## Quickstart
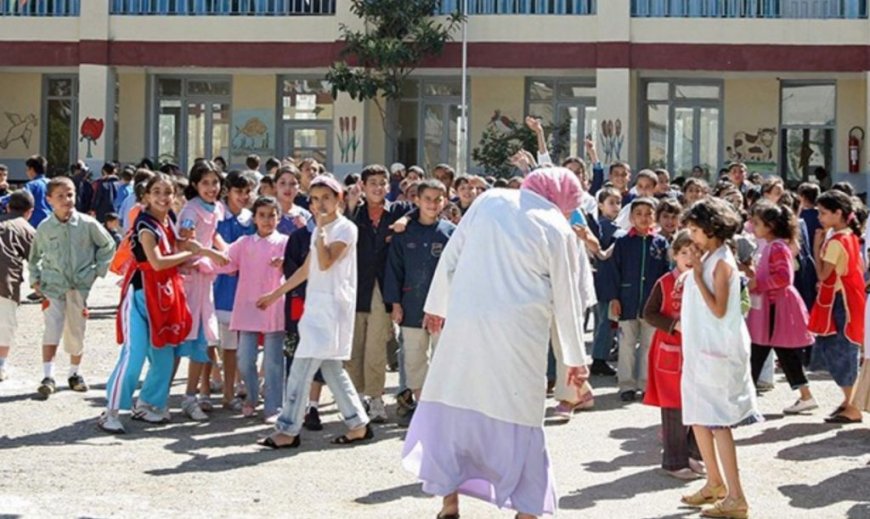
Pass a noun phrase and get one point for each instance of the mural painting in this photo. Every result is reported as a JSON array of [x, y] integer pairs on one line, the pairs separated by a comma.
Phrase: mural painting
[[253, 133], [756, 150], [20, 129], [348, 141], [611, 140], [91, 131]]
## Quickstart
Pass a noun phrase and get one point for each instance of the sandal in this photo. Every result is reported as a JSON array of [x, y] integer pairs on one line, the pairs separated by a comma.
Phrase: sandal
[[235, 405], [730, 508], [345, 440], [842, 419], [269, 442], [700, 498]]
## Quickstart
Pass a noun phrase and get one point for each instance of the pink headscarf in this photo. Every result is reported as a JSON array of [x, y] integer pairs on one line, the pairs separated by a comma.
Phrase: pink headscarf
[[558, 185]]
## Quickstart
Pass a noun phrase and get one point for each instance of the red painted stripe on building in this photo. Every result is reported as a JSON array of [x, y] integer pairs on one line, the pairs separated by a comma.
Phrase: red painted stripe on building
[[647, 56]]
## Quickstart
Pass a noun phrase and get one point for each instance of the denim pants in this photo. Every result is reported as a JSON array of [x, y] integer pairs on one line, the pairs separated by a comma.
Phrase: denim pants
[[603, 335], [273, 367], [136, 348], [299, 384]]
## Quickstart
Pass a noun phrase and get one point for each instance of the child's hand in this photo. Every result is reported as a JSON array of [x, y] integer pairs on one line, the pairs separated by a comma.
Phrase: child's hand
[[400, 225], [266, 301], [398, 314], [277, 263], [300, 221], [577, 376], [615, 309], [433, 323], [186, 234], [218, 257], [697, 262], [534, 124]]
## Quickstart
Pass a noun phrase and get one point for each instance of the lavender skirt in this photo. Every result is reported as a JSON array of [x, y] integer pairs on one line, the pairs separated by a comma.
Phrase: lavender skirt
[[458, 450]]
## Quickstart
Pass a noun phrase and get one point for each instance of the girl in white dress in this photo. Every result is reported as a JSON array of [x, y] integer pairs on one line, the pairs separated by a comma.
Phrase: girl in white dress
[[716, 384]]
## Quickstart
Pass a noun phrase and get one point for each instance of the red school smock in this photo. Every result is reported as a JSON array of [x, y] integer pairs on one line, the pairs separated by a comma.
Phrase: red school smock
[[665, 366], [849, 282]]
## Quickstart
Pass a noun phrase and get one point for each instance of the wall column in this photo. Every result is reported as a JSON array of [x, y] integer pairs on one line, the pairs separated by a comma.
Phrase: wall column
[[613, 82]]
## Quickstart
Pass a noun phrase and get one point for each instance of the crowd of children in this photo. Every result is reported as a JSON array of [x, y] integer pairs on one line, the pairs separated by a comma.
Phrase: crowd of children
[[275, 284]]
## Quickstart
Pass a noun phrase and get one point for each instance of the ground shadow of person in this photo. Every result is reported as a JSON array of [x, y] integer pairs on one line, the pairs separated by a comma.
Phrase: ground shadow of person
[[785, 433], [649, 481], [387, 495], [846, 486], [642, 445], [847, 443]]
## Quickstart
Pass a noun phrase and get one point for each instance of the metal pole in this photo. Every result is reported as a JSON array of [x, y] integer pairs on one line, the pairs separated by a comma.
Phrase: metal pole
[[462, 130]]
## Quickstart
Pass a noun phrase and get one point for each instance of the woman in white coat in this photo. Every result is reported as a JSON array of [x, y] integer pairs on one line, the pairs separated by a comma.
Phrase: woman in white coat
[[508, 276]]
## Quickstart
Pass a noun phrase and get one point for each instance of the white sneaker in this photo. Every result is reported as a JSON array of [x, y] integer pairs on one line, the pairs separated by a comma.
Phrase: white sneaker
[[697, 466], [3, 374], [191, 408], [110, 423], [377, 412], [801, 406], [205, 403], [148, 414]]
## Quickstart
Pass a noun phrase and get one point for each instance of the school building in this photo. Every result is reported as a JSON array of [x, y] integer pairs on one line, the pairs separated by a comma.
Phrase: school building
[[779, 84]]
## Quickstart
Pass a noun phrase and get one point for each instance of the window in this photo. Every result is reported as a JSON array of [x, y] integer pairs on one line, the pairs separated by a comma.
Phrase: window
[[567, 106], [427, 122], [307, 109], [682, 125], [192, 119], [808, 120], [60, 106]]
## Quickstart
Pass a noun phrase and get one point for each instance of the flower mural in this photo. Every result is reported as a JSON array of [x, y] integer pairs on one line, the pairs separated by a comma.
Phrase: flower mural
[[92, 130]]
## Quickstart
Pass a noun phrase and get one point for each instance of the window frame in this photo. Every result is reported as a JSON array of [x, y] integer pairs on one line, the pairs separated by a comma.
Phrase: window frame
[[283, 125], [673, 102], [557, 103], [782, 167], [74, 117]]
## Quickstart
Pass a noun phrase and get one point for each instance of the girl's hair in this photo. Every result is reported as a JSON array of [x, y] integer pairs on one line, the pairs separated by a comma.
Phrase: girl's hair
[[158, 178], [853, 211], [789, 200], [609, 192], [779, 218], [288, 169], [770, 183], [199, 171], [669, 206], [696, 182], [461, 179], [239, 180], [266, 201], [681, 240], [351, 179], [716, 217], [844, 187]]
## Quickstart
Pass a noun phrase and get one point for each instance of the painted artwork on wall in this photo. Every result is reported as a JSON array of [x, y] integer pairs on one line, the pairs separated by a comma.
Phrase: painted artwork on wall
[[253, 132], [91, 131], [20, 129], [756, 150], [348, 141], [611, 139]]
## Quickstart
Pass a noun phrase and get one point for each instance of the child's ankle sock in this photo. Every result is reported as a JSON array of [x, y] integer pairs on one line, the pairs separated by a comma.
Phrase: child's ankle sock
[[73, 370], [48, 369], [313, 404], [2, 362]]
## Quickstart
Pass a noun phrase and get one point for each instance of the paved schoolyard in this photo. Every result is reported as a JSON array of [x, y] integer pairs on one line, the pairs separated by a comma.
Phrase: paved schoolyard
[[55, 462]]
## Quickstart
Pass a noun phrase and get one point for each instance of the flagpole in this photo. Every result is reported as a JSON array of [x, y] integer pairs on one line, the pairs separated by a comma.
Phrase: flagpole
[[462, 130]]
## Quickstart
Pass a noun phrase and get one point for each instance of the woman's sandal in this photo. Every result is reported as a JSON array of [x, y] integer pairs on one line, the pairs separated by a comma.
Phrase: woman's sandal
[[730, 508], [842, 419], [699, 498], [345, 440], [268, 441]]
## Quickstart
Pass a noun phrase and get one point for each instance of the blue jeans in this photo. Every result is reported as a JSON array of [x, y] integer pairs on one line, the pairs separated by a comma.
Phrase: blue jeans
[[837, 354], [299, 384], [273, 366], [603, 336], [136, 348]]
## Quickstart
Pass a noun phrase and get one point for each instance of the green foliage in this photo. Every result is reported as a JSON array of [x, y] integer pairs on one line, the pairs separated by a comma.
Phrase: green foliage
[[497, 145], [398, 35]]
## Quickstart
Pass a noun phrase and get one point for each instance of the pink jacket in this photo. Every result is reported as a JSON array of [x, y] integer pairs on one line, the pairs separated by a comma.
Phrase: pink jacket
[[776, 298], [198, 280], [250, 257]]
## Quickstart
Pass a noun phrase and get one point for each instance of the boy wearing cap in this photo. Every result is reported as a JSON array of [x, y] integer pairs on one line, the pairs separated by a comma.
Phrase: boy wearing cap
[[640, 257], [397, 175]]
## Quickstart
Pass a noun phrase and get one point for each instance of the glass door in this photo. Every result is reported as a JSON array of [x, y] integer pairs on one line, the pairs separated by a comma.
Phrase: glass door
[[310, 141], [208, 129], [578, 122], [440, 123]]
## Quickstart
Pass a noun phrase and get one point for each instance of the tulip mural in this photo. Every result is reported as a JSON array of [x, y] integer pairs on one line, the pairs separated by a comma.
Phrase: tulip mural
[[347, 139], [92, 130]]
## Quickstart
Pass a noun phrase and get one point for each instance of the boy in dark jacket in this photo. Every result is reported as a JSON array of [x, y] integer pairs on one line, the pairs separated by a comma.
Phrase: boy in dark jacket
[[105, 191], [411, 265], [640, 257], [604, 228]]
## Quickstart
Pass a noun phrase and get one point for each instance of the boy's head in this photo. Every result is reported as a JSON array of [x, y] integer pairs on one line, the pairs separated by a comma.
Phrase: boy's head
[[4, 175], [668, 215], [609, 202], [267, 187], [808, 194], [266, 214], [21, 203], [681, 250], [642, 214], [127, 174], [253, 162], [375, 183], [737, 173], [620, 175], [113, 222], [309, 169], [61, 196], [397, 171], [646, 183], [664, 181], [415, 173], [444, 173], [220, 163], [578, 167], [36, 165], [109, 169], [272, 165], [239, 186], [431, 198]]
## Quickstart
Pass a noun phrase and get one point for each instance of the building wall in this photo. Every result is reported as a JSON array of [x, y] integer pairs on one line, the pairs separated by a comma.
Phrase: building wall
[[255, 97], [132, 108], [493, 97], [21, 119], [751, 107]]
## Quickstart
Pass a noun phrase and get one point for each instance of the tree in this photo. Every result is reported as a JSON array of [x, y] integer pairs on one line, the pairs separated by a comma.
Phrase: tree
[[377, 60], [497, 144]]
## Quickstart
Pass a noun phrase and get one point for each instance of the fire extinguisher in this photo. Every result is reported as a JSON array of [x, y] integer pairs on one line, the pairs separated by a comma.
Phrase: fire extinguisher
[[856, 138]]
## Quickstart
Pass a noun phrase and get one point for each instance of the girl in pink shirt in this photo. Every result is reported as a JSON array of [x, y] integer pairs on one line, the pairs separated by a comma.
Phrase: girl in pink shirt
[[258, 259]]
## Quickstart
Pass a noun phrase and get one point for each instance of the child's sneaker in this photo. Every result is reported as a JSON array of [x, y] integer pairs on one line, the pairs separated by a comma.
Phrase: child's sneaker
[[801, 406], [312, 420], [110, 423], [3, 373], [377, 412], [77, 383], [205, 403], [47, 388], [191, 408], [146, 413]]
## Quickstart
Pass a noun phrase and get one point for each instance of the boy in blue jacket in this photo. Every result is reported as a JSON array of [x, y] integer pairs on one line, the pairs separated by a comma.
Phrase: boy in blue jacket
[[640, 257], [604, 228], [411, 263]]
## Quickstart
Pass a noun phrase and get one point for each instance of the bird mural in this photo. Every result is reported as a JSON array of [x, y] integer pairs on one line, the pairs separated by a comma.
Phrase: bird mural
[[21, 130]]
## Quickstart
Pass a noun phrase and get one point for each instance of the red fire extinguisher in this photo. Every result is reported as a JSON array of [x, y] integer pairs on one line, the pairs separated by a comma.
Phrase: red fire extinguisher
[[856, 137]]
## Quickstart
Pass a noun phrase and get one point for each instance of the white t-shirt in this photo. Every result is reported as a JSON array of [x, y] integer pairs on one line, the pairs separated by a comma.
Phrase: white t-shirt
[[326, 327]]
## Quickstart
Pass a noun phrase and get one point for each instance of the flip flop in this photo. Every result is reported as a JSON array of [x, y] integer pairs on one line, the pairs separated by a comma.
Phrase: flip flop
[[842, 419], [344, 440], [268, 441]]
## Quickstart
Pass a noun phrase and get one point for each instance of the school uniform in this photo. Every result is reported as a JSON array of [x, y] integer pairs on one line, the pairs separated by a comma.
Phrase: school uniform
[[232, 228], [411, 264], [604, 229], [637, 262]]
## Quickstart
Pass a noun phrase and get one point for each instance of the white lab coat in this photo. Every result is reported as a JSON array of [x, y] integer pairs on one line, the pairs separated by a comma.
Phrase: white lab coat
[[510, 270], [717, 387]]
